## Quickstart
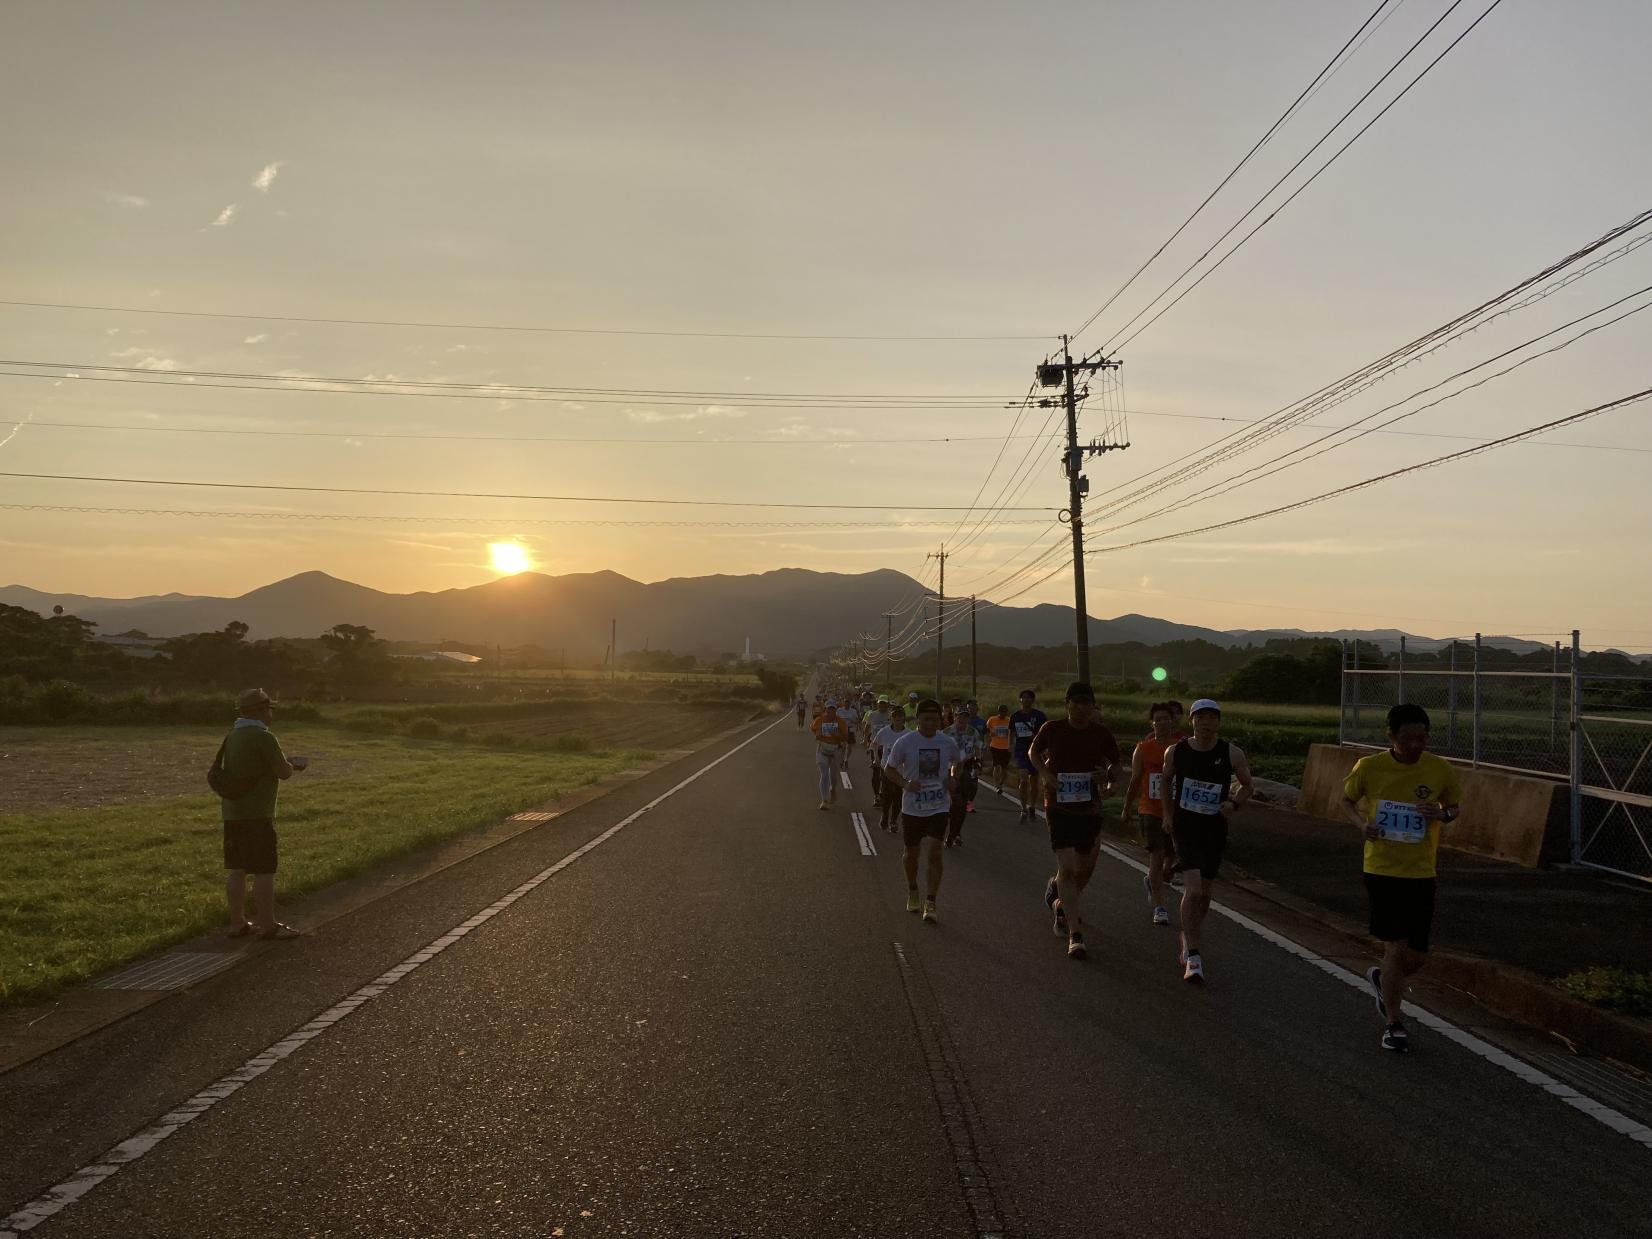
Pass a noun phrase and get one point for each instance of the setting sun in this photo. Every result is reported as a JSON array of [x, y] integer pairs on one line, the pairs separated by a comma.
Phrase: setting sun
[[509, 558]]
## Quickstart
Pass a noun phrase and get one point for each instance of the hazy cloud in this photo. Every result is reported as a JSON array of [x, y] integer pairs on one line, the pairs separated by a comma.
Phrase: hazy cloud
[[224, 216], [125, 200], [687, 415], [145, 359], [257, 339], [266, 178]]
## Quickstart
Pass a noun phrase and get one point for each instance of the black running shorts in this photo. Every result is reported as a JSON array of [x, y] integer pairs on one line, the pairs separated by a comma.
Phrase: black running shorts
[[1078, 831], [1201, 842], [1000, 759], [249, 845], [1157, 840], [1402, 909], [914, 830]]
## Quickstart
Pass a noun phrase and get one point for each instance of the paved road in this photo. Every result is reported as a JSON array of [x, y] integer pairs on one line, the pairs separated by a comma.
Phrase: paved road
[[721, 1021]]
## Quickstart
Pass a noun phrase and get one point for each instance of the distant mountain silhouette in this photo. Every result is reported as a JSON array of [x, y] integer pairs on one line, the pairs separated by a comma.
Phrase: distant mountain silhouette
[[786, 613]]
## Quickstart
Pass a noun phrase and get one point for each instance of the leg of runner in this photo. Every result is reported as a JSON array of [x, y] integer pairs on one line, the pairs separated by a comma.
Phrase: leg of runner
[[1069, 904], [1195, 904], [825, 763], [837, 764]]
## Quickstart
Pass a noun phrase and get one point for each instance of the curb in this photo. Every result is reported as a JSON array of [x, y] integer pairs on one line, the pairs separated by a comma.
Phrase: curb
[[1506, 989], [29, 1033]]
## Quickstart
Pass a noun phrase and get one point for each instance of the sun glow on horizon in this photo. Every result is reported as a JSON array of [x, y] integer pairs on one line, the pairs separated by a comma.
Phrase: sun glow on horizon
[[509, 558]]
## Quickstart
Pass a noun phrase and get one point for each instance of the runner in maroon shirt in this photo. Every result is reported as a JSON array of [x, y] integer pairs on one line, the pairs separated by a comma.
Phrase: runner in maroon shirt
[[1079, 758]]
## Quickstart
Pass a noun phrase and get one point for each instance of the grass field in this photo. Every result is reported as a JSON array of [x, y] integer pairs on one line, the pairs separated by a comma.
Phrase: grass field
[[117, 851]]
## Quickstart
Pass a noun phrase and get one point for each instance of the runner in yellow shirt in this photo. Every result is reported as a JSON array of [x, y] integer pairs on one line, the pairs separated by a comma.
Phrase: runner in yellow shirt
[[1400, 799]]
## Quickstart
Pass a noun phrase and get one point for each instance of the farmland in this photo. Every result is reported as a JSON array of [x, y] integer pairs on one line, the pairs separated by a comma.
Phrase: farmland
[[110, 843]]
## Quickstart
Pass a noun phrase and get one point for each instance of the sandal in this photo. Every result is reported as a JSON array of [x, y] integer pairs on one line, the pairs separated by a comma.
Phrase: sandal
[[240, 931], [278, 933]]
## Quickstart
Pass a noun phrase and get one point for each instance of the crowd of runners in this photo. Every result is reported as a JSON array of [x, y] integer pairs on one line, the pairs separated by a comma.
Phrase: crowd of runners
[[1183, 780]]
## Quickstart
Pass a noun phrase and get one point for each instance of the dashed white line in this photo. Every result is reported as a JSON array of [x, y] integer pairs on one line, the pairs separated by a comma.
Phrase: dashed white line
[[137, 1145], [863, 836], [844, 775], [1618, 1122]]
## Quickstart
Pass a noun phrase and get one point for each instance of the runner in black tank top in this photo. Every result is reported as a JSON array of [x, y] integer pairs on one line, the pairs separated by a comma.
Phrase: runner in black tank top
[[1198, 774]]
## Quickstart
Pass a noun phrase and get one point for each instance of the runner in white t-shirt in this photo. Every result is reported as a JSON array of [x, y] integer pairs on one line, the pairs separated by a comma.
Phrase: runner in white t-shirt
[[889, 805], [921, 763]]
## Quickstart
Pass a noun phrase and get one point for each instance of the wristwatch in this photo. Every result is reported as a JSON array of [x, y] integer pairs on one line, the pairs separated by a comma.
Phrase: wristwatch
[[1448, 813]]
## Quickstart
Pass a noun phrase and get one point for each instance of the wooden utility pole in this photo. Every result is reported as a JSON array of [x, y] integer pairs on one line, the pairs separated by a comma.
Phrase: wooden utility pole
[[613, 650], [940, 618], [1052, 374], [888, 633]]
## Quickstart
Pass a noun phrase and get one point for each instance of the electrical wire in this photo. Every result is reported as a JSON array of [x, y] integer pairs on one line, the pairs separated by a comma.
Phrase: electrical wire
[[376, 518], [460, 494], [1570, 419], [582, 331], [1272, 215], [1330, 67]]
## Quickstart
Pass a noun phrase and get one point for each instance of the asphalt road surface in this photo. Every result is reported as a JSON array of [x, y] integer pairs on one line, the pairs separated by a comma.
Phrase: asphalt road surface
[[721, 1021]]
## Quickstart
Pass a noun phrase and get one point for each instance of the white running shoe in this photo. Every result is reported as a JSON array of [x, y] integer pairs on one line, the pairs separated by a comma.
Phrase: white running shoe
[[1161, 916], [1193, 972]]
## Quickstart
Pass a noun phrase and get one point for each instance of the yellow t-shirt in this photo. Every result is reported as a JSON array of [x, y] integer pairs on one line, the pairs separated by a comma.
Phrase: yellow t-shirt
[[1380, 778]]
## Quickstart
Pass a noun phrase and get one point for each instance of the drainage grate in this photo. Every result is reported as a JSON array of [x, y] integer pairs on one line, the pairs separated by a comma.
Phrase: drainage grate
[[1605, 1082], [537, 816], [173, 970]]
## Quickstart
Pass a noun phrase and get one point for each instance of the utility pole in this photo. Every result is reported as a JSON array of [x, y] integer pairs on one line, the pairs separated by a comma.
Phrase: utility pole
[[940, 618], [973, 689], [888, 633], [1051, 374], [613, 649]]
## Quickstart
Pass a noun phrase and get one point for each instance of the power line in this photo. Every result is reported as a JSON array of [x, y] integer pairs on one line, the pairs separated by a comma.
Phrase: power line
[[1272, 215], [582, 331], [1389, 363], [1234, 171], [461, 494], [376, 518], [507, 391], [1620, 402], [369, 434], [1282, 462]]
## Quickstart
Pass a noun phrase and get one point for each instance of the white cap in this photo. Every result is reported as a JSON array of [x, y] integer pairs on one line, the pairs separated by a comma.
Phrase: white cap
[[1204, 703]]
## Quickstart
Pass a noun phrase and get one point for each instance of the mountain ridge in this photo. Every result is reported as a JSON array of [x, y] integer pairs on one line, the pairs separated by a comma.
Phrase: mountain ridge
[[785, 612]]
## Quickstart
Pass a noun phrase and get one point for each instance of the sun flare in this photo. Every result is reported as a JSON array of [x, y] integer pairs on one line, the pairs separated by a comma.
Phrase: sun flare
[[509, 558]]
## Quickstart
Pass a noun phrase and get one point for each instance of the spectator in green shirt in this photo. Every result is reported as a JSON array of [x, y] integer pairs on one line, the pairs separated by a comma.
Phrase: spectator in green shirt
[[253, 755]]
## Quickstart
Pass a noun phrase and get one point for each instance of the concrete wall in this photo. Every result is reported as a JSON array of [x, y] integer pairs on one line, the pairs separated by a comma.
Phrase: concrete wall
[[1506, 816]]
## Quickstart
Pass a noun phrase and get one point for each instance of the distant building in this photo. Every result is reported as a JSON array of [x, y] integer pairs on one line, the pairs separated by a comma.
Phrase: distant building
[[443, 656]]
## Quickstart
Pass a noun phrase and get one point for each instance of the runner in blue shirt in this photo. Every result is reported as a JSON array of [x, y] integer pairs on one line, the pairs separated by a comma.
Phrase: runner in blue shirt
[[1024, 725]]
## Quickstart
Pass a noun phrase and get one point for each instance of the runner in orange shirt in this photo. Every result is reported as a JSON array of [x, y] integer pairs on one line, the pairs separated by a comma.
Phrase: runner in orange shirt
[[998, 744], [1143, 796], [831, 748]]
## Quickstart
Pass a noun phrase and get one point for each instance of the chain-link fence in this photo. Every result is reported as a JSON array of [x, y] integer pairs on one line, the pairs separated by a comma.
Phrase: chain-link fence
[[1532, 711]]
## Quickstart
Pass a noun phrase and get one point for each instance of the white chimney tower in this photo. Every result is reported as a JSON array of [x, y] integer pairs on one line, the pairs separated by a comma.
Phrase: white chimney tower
[[748, 649]]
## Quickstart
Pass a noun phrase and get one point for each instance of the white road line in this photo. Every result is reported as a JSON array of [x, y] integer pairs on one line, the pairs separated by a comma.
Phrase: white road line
[[141, 1142], [1618, 1122], [862, 835], [844, 775]]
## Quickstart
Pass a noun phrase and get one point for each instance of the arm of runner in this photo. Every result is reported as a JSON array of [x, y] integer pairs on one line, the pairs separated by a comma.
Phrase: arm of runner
[[1137, 770], [1167, 780], [1353, 794], [1241, 772], [1445, 809]]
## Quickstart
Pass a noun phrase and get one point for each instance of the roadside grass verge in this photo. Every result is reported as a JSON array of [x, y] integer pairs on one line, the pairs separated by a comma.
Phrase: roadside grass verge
[[1616, 989], [84, 890]]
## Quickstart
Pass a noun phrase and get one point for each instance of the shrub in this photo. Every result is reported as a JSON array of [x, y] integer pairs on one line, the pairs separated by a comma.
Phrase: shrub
[[426, 728], [499, 739], [571, 744], [1617, 989]]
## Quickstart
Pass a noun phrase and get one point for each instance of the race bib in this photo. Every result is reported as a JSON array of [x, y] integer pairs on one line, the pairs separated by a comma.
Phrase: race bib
[[1001, 731], [1073, 788], [1199, 797], [1024, 730], [1399, 822], [931, 796], [828, 729], [1155, 787]]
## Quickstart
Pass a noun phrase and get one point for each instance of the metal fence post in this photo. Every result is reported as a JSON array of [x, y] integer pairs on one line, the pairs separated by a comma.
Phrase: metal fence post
[[1355, 687], [1451, 700], [1554, 700], [1399, 688], [1475, 758], [1342, 692], [1576, 782]]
